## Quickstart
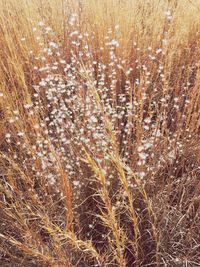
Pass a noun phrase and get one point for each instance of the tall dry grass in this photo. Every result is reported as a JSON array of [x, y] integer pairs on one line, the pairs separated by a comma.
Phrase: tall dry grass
[[100, 123]]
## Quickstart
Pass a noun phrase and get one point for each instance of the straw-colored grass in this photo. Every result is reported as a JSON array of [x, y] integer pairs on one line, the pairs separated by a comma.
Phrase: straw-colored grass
[[99, 133]]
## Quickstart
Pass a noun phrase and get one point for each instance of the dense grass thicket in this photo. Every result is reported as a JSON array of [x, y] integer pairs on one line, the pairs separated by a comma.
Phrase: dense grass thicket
[[99, 133]]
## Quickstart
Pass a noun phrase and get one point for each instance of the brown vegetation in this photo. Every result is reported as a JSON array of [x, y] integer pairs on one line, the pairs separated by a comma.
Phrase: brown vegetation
[[99, 133]]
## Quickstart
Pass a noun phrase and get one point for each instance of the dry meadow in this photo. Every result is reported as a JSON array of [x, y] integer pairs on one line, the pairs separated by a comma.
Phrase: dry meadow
[[99, 133]]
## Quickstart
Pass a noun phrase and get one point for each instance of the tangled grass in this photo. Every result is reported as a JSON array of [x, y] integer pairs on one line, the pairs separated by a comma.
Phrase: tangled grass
[[100, 124]]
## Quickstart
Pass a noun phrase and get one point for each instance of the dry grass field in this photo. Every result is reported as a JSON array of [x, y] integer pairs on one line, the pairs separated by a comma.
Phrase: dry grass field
[[99, 133]]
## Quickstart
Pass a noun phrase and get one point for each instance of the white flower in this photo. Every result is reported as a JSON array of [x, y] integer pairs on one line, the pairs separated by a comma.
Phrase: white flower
[[27, 106], [53, 44], [51, 179], [8, 135], [143, 155], [114, 42], [171, 155], [94, 119], [140, 148], [158, 51], [62, 61], [76, 183], [147, 120], [148, 145], [157, 133], [146, 127], [20, 133], [41, 24], [12, 120], [42, 83], [141, 174], [168, 13], [73, 33]]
